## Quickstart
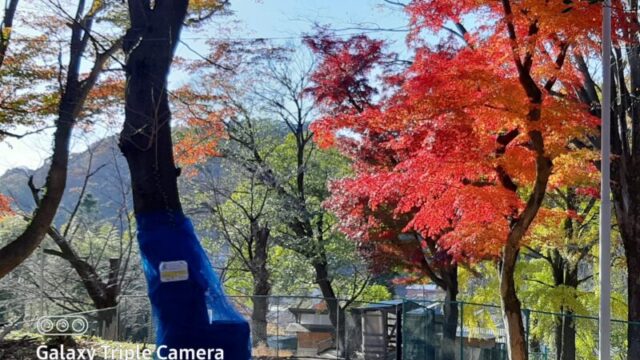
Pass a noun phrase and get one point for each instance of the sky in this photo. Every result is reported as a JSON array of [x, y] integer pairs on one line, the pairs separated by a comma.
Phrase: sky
[[283, 20]]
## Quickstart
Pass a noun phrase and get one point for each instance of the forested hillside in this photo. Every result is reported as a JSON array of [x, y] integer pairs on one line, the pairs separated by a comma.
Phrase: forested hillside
[[108, 181]]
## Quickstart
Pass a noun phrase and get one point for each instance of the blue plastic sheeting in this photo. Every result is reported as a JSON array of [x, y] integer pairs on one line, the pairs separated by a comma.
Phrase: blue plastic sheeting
[[189, 307]]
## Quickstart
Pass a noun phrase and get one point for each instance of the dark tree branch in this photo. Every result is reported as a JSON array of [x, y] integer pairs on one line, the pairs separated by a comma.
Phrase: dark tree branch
[[6, 28]]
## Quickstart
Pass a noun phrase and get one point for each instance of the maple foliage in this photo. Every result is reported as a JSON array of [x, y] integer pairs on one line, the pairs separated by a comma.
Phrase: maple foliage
[[340, 80], [223, 81], [5, 206], [203, 127], [433, 150], [21, 104], [33, 76]]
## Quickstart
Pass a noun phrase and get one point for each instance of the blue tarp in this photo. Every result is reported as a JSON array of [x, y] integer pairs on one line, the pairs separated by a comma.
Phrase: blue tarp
[[189, 306]]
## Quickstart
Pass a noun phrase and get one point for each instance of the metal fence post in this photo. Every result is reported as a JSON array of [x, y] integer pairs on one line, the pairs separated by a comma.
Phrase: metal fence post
[[461, 330], [545, 353], [150, 325], [402, 330], [338, 338], [118, 322], [278, 327], [527, 315], [426, 333]]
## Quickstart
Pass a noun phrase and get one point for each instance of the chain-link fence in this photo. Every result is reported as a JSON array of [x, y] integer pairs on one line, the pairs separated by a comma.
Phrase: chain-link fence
[[294, 327], [442, 331], [286, 327]]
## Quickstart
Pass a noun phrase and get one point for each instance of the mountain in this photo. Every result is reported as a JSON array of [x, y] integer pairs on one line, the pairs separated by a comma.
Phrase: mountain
[[109, 185]]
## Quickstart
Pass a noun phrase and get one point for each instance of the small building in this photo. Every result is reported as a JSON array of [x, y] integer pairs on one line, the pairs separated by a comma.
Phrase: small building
[[379, 332], [313, 329]]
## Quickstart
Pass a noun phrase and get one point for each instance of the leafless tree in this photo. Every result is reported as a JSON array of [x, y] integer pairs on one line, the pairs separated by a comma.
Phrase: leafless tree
[[241, 219]]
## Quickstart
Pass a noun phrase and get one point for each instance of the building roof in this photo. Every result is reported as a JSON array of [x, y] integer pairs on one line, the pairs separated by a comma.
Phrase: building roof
[[387, 305]]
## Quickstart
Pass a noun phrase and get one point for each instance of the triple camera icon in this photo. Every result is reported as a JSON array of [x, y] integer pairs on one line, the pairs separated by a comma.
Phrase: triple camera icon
[[62, 325]]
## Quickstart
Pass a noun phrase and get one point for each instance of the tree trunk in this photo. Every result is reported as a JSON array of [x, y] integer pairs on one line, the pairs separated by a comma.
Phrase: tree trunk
[[627, 208], [324, 283], [261, 285], [259, 315], [511, 307], [108, 319], [14, 253], [109, 314], [564, 332], [625, 163], [625, 168], [185, 311], [633, 298], [6, 27], [96, 289], [104, 295], [624, 185], [336, 313], [145, 140], [451, 310]]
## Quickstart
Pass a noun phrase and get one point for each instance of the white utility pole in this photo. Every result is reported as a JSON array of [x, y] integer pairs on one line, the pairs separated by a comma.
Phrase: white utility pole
[[605, 190]]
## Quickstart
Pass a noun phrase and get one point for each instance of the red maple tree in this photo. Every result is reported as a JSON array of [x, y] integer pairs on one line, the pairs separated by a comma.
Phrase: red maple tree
[[463, 151]]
